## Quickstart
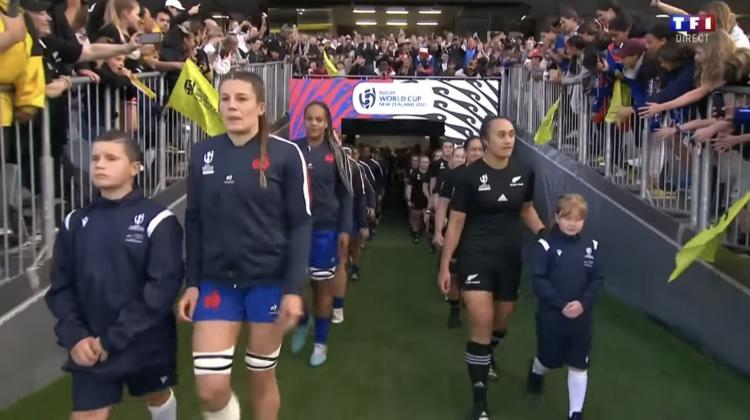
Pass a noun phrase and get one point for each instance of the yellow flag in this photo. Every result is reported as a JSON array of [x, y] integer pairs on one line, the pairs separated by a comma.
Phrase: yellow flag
[[620, 98], [544, 133], [143, 88], [705, 244], [195, 98], [330, 67]]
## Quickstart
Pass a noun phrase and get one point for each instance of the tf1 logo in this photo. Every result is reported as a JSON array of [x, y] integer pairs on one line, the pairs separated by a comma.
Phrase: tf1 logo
[[687, 23]]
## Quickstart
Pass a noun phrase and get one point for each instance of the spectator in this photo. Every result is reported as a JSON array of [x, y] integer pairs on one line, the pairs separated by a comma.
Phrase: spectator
[[424, 63], [163, 20]]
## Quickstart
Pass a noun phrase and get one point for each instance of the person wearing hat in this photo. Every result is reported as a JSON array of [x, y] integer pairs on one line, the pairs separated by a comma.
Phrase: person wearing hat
[[384, 68], [632, 52], [424, 63]]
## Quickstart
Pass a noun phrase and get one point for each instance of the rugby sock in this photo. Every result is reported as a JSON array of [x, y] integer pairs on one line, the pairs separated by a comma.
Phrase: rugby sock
[[355, 269], [497, 336], [478, 363], [230, 412], [577, 382], [338, 303], [322, 325], [538, 367], [166, 411], [455, 307]]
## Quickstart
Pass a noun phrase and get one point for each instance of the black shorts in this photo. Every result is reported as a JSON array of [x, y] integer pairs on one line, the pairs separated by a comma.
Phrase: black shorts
[[91, 391], [562, 341], [503, 280]]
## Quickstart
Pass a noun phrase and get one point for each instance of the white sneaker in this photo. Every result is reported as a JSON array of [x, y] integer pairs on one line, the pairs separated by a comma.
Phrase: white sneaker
[[319, 355], [338, 315]]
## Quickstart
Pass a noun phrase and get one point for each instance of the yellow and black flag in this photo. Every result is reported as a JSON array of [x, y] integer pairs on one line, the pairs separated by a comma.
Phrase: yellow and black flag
[[195, 98]]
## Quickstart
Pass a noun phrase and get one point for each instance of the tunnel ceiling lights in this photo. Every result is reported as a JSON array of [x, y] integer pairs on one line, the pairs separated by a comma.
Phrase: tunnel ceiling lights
[[364, 11], [427, 23], [396, 23], [431, 12], [366, 23], [397, 12]]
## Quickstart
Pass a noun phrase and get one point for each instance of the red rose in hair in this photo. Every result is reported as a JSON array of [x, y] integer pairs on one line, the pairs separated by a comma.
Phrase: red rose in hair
[[257, 165]]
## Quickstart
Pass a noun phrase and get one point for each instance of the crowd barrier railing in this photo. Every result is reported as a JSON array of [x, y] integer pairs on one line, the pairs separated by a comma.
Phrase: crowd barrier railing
[[691, 180], [45, 171]]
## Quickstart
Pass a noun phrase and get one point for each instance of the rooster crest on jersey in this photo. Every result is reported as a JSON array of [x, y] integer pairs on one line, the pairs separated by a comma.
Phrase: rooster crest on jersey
[[208, 169], [485, 186]]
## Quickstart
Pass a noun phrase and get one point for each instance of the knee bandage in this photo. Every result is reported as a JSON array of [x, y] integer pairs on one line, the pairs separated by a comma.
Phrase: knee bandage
[[213, 363], [260, 363]]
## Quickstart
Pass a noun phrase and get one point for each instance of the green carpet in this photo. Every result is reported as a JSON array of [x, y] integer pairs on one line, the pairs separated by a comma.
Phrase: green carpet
[[393, 358]]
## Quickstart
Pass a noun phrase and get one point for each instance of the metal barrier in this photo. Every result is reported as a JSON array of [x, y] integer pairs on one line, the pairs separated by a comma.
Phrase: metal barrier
[[38, 192], [687, 179]]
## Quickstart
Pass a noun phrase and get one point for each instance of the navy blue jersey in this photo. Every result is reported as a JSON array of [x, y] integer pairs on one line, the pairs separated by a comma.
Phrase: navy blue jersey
[[359, 206], [369, 179], [566, 268], [331, 202], [117, 269], [238, 232], [378, 175]]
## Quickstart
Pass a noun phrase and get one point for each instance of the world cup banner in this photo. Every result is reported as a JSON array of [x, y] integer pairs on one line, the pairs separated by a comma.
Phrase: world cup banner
[[461, 105]]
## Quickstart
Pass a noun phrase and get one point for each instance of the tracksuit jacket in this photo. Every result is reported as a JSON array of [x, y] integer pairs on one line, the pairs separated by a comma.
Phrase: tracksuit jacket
[[239, 233], [117, 270]]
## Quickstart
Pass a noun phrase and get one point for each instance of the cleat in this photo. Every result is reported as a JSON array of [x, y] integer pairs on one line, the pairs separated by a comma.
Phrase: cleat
[[479, 413], [576, 416], [338, 315], [318, 356], [492, 373], [299, 338], [534, 382]]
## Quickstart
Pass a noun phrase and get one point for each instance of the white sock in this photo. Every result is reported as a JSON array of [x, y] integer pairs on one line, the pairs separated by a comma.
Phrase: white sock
[[538, 367], [577, 382], [166, 411], [230, 412]]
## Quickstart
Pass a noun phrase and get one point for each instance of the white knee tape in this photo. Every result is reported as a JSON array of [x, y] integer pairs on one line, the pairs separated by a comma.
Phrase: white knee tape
[[260, 363], [213, 363]]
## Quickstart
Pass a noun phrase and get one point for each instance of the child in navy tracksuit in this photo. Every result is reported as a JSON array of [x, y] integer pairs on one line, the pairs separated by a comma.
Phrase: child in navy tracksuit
[[567, 282], [117, 270]]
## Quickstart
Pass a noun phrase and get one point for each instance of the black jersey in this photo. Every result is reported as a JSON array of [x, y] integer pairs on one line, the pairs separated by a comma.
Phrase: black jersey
[[418, 199], [437, 168], [446, 181], [492, 200]]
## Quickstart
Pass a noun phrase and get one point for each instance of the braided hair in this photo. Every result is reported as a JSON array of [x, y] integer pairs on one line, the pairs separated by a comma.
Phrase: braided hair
[[342, 162], [260, 96]]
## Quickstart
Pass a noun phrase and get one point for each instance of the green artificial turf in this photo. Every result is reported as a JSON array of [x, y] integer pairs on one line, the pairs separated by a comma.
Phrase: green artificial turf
[[393, 358]]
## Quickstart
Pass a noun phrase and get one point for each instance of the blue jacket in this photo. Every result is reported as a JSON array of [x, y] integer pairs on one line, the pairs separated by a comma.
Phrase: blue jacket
[[369, 178], [239, 233], [679, 82], [566, 268], [359, 207], [331, 202], [117, 269]]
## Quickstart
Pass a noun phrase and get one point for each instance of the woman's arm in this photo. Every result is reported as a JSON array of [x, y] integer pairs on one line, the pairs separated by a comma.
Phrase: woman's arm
[[668, 9], [531, 218], [688, 98], [452, 237]]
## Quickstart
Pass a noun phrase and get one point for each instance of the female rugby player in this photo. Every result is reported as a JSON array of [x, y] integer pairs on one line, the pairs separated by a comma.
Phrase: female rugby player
[[248, 226], [492, 200]]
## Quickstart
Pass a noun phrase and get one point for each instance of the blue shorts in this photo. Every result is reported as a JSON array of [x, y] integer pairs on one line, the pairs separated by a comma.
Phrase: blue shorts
[[562, 341], [225, 302], [92, 392], [324, 254]]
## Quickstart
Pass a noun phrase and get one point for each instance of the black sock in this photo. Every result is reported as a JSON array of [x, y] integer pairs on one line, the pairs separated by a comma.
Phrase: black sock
[[478, 363], [497, 336], [455, 306]]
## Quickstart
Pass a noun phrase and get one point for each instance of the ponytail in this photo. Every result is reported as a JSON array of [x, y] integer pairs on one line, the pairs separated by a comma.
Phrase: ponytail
[[263, 131], [342, 162]]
